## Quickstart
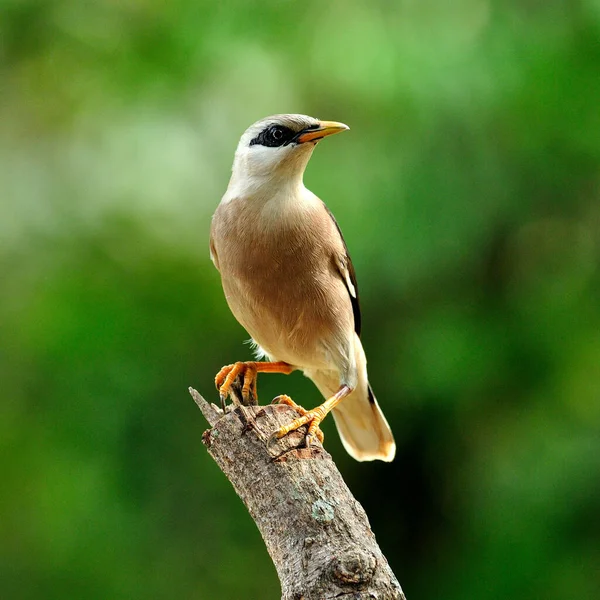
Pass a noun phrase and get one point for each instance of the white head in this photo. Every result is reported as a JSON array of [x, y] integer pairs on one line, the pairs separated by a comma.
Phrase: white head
[[276, 150]]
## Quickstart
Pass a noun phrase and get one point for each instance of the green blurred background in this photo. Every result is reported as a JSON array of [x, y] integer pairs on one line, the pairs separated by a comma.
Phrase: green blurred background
[[468, 191]]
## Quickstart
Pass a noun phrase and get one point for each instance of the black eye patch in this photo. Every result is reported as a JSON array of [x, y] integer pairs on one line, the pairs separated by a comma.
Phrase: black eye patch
[[274, 136]]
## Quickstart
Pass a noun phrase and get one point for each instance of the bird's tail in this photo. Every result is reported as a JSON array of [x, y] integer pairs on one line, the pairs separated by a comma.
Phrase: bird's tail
[[363, 429]]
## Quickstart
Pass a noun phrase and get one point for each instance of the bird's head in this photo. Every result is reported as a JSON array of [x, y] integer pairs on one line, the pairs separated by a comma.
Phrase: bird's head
[[279, 147]]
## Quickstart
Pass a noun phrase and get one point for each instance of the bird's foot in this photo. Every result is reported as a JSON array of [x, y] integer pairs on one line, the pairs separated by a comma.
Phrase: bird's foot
[[312, 418], [227, 376], [249, 371]]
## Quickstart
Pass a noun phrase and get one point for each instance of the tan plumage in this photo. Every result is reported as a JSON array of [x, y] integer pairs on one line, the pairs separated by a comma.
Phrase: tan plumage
[[289, 280]]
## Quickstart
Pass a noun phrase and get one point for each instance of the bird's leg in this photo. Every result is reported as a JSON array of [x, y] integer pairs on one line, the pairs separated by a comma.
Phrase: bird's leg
[[314, 416], [283, 399], [228, 374]]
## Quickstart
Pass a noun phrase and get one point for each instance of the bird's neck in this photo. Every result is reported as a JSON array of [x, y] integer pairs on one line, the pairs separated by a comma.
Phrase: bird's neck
[[270, 205], [265, 177], [261, 188]]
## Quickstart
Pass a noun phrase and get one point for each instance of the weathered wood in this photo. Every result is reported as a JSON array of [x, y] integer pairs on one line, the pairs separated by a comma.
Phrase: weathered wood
[[317, 534]]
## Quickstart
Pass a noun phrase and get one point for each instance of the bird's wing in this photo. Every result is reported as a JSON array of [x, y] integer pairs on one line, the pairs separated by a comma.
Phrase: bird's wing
[[213, 252], [345, 267]]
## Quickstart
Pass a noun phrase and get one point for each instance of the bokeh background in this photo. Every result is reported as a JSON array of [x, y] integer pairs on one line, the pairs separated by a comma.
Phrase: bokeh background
[[468, 190]]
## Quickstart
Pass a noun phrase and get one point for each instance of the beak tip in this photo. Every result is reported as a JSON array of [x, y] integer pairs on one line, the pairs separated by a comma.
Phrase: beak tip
[[324, 129], [334, 125]]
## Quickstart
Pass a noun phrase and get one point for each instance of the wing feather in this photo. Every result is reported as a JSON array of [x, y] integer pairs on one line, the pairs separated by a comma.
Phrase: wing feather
[[346, 270], [213, 253]]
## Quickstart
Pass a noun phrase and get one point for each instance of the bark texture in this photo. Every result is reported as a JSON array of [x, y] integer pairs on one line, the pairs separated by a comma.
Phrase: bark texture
[[317, 534]]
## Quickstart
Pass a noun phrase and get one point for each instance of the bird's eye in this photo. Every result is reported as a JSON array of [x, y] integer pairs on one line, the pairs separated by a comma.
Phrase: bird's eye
[[277, 133], [273, 136]]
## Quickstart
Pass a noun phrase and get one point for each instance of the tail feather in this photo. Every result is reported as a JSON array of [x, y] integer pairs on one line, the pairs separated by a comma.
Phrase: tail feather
[[363, 428]]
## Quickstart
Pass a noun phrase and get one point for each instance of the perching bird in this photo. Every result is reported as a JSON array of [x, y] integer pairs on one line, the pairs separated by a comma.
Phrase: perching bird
[[289, 281]]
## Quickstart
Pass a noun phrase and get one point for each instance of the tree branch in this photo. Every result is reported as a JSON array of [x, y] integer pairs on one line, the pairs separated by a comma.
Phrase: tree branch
[[317, 534]]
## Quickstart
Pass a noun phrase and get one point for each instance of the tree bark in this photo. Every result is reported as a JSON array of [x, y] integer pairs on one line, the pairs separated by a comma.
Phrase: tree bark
[[317, 534]]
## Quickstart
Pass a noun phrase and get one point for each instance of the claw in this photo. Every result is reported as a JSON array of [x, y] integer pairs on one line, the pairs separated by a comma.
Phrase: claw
[[312, 418], [272, 438], [318, 433], [284, 399], [227, 376]]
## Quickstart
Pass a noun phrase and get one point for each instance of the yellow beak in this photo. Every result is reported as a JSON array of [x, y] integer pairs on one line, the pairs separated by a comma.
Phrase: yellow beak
[[324, 129]]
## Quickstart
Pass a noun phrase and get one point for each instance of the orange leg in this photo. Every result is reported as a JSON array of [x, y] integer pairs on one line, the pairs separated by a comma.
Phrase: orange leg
[[250, 370], [312, 417], [283, 399]]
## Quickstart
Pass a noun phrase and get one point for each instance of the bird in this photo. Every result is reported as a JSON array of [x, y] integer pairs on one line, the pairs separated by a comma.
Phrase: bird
[[289, 281]]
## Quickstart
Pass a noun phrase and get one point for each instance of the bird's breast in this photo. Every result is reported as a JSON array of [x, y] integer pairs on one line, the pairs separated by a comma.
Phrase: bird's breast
[[279, 279]]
